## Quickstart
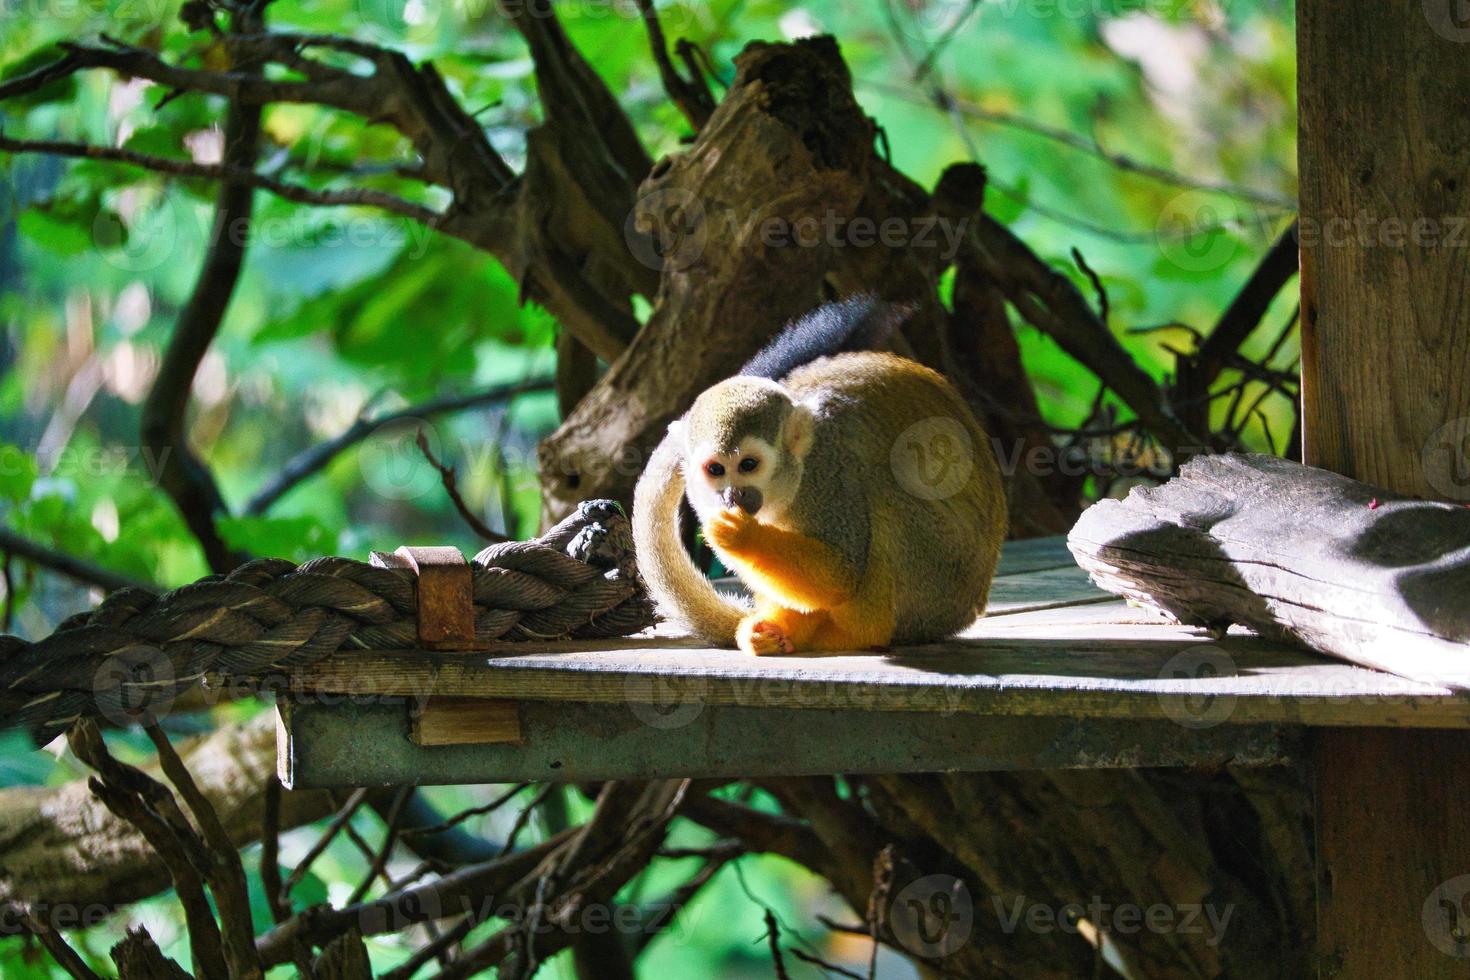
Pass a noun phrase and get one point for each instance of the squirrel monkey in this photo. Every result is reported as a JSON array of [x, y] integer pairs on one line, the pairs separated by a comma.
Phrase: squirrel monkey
[[853, 492]]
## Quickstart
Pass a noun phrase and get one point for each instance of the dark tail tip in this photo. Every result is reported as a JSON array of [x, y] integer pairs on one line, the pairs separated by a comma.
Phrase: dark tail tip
[[859, 322]]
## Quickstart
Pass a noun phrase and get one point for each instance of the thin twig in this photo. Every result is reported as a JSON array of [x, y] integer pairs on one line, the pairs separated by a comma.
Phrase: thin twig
[[691, 96], [524, 817], [226, 874], [136, 798], [315, 459], [669, 908], [450, 478], [463, 815], [270, 851], [357, 197], [1084, 144], [339, 820], [822, 964], [773, 940], [430, 951], [61, 951], [390, 837], [1103, 305], [74, 568]]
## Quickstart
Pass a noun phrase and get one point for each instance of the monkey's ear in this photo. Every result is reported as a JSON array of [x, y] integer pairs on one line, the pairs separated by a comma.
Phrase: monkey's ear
[[798, 430], [676, 432]]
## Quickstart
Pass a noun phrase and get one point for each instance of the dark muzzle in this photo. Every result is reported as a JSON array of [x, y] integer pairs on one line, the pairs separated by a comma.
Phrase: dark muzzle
[[747, 499]]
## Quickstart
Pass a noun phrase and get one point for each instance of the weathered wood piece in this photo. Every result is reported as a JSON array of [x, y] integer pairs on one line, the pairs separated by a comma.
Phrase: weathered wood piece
[[351, 743], [1297, 553], [464, 721]]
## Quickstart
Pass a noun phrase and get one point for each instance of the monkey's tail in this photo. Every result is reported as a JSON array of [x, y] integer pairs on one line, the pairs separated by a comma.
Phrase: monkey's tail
[[859, 322], [682, 593]]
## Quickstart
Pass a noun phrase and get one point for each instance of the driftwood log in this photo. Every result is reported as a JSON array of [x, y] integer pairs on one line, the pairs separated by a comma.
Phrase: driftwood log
[[1294, 552]]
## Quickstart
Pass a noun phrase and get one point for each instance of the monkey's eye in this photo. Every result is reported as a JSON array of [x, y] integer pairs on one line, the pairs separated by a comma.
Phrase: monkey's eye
[[748, 464], [714, 469]]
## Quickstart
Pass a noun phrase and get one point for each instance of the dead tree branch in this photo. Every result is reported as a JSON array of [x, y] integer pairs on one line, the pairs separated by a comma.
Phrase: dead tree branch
[[309, 462], [1198, 371], [68, 565], [243, 176], [449, 477], [62, 847], [181, 473]]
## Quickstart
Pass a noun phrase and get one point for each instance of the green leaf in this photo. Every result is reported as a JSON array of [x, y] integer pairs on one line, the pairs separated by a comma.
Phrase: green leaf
[[1006, 208], [297, 538], [55, 234], [17, 472]]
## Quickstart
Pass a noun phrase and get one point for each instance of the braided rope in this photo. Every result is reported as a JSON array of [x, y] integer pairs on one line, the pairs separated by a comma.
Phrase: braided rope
[[138, 649]]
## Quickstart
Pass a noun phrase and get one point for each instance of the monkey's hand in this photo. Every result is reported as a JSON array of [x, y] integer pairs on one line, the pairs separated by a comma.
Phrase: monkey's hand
[[796, 570], [732, 529]]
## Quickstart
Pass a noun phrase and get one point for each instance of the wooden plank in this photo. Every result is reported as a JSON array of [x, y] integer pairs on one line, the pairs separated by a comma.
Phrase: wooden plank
[[1095, 661], [1046, 588], [1345, 568], [361, 743], [464, 721], [1034, 555], [1386, 399]]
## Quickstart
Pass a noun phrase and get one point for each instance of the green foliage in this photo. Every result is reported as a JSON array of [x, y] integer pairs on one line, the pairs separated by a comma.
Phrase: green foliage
[[346, 312]]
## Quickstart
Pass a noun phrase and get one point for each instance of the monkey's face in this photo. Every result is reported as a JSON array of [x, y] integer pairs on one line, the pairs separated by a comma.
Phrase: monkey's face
[[745, 441], [744, 476]]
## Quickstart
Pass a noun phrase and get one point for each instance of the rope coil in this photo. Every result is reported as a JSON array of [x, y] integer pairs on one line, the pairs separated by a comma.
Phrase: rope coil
[[139, 649]]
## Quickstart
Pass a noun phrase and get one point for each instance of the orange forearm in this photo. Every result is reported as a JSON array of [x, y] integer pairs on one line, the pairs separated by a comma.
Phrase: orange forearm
[[801, 571]]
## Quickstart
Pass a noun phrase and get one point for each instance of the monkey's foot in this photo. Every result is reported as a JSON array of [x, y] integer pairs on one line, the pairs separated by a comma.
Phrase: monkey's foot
[[763, 638]]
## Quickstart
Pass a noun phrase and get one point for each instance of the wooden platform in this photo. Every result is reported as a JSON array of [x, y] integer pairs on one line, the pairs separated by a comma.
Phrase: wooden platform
[[1057, 675]]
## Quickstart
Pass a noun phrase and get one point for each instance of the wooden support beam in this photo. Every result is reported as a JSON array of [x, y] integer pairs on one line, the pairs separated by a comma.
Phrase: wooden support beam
[[359, 742], [1385, 188]]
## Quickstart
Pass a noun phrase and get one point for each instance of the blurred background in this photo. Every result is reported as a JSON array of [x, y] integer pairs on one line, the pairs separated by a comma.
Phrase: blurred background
[[1157, 138]]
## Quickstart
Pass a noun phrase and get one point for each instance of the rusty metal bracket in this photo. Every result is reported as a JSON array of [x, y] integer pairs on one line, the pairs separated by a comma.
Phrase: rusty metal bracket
[[446, 595]]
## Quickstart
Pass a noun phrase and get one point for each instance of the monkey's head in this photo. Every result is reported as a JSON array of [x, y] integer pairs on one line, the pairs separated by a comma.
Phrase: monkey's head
[[745, 442]]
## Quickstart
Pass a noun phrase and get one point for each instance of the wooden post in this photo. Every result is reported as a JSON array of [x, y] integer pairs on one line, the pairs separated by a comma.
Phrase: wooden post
[[1384, 91]]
